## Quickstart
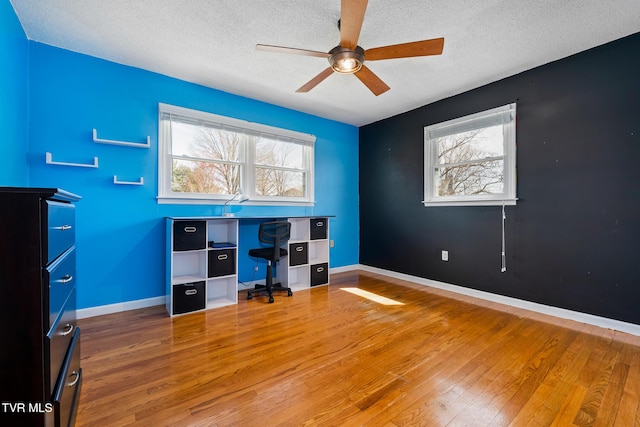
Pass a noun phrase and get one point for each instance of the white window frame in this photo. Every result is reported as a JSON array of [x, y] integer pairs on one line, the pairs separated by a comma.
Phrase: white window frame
[[247, 167], [505, 115]]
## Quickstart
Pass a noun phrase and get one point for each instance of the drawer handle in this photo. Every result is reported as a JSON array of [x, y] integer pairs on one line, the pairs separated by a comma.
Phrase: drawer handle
[[190, 229], [320, 269], [62, 227], [191, 292], [319, 224], [299, 249], [65, 279], [222, 257], [67, 329], [75, 381]]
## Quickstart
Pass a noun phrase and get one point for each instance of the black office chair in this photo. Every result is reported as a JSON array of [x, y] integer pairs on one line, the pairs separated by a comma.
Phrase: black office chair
[[275, 234]]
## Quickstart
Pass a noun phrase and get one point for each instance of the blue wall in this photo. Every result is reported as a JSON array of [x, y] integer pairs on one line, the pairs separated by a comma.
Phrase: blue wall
[[14, 68], [120, 239]]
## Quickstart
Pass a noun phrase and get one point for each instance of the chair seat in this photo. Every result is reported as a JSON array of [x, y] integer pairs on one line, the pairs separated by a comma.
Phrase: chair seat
[[266, 253]]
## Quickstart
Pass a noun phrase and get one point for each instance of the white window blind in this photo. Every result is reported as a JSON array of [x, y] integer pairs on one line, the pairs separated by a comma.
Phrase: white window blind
[[495, 117]]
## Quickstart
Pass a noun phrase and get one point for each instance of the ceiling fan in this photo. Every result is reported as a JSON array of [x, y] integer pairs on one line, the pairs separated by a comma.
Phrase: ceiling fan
[[348, 57]]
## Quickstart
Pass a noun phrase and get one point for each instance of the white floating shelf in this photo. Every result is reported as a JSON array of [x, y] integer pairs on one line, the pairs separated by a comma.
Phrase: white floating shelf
[[125, 143], [49, 160], [116, 181]]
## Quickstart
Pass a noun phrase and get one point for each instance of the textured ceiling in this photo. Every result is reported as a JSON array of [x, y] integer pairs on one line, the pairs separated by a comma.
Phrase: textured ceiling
[[212, 43]]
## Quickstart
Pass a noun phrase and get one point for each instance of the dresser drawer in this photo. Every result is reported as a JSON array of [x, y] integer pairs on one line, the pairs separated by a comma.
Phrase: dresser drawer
[[320, 274], [61, 278], [298, 253], [188, 297], [318, 228], [59, 337], [61, 228], [65, 397], [189, 235], [222, 262]]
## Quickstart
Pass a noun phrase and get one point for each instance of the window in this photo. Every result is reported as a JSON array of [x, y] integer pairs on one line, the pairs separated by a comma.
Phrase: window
[[204, 157], [471, 160]]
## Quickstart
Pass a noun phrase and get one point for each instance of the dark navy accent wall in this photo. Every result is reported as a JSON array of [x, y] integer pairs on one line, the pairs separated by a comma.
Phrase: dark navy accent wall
[[14, 71], [120, 228], [573, 239]]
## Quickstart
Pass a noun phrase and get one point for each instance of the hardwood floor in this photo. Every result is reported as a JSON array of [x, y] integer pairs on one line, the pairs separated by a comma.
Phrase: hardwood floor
[[329, 357]]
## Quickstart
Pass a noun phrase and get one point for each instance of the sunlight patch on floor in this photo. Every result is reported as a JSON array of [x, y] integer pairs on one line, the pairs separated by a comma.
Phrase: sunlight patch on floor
[[373, 297]]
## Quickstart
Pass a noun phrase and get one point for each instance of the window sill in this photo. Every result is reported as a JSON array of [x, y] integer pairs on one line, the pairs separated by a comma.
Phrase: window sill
[[162, 200], [506, 202]]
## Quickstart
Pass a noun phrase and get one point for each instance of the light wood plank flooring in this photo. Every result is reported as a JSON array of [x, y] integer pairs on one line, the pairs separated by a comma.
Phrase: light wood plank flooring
[[329, 357]]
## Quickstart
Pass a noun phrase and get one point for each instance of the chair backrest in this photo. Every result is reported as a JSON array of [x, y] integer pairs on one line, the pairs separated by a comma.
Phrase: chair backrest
[[275, 233]]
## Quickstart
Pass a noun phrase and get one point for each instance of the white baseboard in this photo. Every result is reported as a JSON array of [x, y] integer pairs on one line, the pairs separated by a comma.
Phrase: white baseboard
[[121, 306], [150, 302], [335, 270], [562, 313], [243, 286], [590, 319]]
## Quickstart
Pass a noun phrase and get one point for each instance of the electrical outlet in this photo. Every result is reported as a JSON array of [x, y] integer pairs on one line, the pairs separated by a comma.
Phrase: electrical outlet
[[445, 255], [331, 243], [255, 268]]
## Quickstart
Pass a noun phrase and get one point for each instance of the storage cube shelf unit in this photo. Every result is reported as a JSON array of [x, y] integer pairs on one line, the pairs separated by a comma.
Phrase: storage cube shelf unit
[[201, 264], [308, 263], [202, 260]]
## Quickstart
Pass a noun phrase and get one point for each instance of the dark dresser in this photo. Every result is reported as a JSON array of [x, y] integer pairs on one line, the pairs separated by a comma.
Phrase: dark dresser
[[40, 374]]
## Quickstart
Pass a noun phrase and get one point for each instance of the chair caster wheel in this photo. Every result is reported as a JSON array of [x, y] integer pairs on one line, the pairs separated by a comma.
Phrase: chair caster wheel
[[271, 300], [249, 296], [290, 293]]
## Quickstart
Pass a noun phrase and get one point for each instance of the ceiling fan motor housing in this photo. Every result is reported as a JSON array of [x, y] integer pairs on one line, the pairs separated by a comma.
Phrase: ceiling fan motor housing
[[346, 61]]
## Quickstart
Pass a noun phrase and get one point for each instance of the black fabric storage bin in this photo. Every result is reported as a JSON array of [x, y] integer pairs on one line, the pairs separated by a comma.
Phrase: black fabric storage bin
[[188, 297], [320, 274], [189, 235], [222, 262], [318, 228], [298, 254]]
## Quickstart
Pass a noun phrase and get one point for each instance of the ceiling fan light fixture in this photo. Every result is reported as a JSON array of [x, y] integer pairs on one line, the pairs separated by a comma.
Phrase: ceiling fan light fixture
[[346, 61], [350, 58], [346, 65]]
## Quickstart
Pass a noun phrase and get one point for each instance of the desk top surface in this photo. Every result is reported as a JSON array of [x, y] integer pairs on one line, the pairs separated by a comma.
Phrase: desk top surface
[[247, 217]]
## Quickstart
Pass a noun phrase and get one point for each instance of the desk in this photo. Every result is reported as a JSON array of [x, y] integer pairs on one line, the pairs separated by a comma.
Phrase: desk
[[202, 258]]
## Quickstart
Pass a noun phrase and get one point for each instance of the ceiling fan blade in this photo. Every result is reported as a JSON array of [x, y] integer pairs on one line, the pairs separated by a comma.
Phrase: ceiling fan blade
[[315, 81], [372, 81], [291, 50], [406, 50], [352, 15]]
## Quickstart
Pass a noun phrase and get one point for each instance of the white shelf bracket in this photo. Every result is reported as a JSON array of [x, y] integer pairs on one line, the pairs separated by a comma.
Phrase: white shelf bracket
[[125, 143], [49, 160], [116, 181]]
